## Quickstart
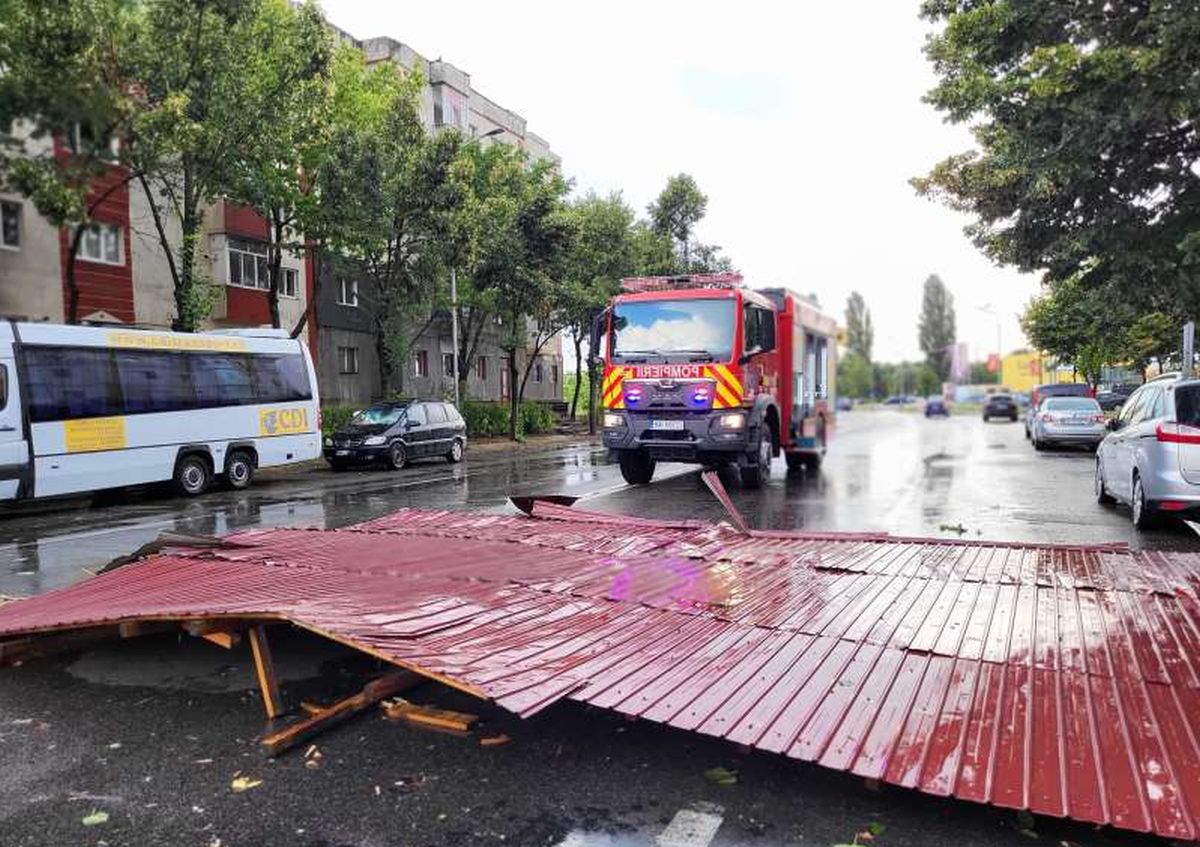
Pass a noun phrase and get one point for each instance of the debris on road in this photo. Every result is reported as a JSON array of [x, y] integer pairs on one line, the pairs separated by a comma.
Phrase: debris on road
[[95, 818], [494, 740], [427, 717], [721, 776], [244, 783], [1060, 679]]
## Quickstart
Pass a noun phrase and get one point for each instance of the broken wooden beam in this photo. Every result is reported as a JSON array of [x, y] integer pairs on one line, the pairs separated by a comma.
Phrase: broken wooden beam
[[228, 640], [428, 717], [385, 686], [264, 667]]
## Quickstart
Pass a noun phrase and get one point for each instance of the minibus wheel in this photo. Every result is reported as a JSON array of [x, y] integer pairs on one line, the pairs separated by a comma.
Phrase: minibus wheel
[[193, 475], [239, 469]]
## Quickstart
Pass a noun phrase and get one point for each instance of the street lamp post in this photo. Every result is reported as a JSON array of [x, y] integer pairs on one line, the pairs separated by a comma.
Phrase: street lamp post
[[988, 310]]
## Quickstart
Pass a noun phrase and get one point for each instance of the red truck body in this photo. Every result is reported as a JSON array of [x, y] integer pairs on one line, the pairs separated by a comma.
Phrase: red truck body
[[702, 369]]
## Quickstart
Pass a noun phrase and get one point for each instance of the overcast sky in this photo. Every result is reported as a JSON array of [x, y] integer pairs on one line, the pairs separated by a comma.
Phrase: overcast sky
[[801, 121]]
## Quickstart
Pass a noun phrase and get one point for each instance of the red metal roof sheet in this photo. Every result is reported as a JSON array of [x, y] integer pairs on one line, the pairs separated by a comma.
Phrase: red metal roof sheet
[[1064, 680]]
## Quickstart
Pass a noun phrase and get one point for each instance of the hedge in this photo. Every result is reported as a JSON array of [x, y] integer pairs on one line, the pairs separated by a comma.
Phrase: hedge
[[483, 419]]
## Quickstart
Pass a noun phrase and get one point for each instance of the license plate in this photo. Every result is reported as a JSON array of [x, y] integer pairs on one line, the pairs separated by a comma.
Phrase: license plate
[[343, 453], [675, 426]]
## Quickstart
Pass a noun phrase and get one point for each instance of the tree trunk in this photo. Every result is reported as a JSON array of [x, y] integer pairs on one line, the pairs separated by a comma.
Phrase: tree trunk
[[310, 303], [72, 284], [274, 265], [382, 361], [161, 229], [514, 403], [578, 339]]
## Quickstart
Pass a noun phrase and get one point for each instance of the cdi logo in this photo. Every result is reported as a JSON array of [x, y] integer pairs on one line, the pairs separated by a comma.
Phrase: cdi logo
[[282, 421]]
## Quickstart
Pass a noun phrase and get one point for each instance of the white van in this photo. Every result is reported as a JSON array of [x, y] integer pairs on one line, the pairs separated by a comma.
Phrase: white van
[[85, 408]]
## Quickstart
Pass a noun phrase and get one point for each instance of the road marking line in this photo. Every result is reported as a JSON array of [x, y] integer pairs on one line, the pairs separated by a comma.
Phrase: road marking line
[[694, 827]]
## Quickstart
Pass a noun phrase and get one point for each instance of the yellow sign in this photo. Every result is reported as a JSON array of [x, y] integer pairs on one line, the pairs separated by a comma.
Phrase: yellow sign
[[282, 421], [153, 341], [93, 434]]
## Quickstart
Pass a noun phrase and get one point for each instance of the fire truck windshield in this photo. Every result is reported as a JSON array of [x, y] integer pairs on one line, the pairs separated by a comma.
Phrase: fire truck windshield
[[667, 329]]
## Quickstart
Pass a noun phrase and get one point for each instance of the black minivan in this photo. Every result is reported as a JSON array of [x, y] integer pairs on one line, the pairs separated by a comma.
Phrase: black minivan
[[398, 432]]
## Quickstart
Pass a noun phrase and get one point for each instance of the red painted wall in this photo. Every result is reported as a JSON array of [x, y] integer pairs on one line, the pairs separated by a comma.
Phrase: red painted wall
[[102, 287], [246, 305]]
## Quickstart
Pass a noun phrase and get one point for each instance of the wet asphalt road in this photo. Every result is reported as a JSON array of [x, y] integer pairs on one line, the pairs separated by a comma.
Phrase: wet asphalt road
[[153, 731]]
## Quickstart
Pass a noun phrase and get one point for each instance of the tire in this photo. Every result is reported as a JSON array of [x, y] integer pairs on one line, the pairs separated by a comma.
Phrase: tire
[[1102, 495], [397, 456], [193, 475], [754, 475], [1012, 418], [456, 452], [637, 468], [986, 418], [239, 470], [338, 467], [1142, 513]]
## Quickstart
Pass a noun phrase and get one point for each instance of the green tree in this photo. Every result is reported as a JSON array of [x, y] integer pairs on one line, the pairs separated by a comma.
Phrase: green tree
[[980, 375], [860, 333], [677, 210], [395, 189], [600, 255], [1086, 119], [652, 252], [854, 376], [935, 329]]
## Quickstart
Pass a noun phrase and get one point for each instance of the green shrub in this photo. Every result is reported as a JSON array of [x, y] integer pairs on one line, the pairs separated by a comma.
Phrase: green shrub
[[535, 419], [335, 417]]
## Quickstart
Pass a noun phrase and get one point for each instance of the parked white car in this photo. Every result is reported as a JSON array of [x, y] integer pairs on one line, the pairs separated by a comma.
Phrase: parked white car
[[1068, 420], [1151, 457]]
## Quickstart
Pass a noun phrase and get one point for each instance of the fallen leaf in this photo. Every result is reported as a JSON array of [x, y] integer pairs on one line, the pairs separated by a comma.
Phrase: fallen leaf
[[875, 828], [721, 776], [244, 783], [95, 818]]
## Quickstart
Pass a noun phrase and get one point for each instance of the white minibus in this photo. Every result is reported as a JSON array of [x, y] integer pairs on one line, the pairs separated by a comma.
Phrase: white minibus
[[86, 408]]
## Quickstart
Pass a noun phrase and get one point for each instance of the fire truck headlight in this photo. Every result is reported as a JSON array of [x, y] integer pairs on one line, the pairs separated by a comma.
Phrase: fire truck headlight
[[613, 420], [734, 421]]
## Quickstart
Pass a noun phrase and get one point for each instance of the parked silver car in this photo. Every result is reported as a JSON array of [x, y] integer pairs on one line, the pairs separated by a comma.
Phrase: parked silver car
[[1151, 458], [1068, 420]]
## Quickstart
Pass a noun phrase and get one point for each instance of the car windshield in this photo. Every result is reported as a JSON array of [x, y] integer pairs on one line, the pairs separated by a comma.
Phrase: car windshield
[[378, 415], [1000, 398], [666, 328], [1072, 404]]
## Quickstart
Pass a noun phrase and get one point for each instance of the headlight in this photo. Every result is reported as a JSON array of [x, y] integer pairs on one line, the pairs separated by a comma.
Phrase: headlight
[[735, 421], [328, 442], [374, 441], [612, 420]]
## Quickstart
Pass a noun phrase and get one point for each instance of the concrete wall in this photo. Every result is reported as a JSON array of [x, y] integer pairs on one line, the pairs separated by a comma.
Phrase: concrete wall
[[153, 286], [351, 389], [31, 283]]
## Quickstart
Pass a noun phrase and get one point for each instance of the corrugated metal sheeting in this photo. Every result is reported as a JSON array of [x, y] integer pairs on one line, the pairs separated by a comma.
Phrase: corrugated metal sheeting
[[1064, 680]]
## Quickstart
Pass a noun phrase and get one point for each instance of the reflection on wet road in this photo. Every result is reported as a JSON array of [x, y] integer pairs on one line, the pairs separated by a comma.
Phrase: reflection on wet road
[[886, 471]]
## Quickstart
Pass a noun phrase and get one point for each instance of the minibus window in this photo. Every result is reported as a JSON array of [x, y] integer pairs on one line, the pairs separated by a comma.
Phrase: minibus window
[[3, 386], [222, 379], [71, 382], [154, 382]]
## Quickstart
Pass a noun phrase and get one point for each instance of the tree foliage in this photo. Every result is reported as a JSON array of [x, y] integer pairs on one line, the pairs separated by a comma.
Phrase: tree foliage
[[679, 207], [855, 376], [860, 333], [936, 326], [1087, 121]]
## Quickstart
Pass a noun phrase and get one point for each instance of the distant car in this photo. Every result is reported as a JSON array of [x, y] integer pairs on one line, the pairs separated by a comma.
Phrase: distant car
[[844, 404], [1057, 389], [1068, 420], [1111, 400], [1000, 406], [396, 433], [898, 400], [936, 407], [1150, 459]]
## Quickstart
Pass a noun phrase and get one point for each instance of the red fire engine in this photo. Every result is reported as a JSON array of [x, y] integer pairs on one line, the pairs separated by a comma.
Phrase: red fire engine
[[702, 369]]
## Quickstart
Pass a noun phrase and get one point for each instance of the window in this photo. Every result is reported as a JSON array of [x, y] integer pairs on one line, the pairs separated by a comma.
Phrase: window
[[437, 413], [280, 379], [554, 374], [452, 414], [758, 329], [289, 279], [3, 386], [101, 243], [248, 264], [347, 292], [348, 360], [222, 379], [437, 113], [537, 372], [448, 365], [154, 382], [71, 382], [421, 363], [10, 225], [416, 414], [481, 367], [1130, 409], [661, 328]]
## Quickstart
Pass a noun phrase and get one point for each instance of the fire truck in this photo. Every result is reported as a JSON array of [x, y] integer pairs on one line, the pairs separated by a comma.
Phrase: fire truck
[[702, 369]]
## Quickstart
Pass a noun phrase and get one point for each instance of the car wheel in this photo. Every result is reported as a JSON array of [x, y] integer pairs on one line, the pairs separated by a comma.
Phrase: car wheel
[[1141, 511], [636, 468], [456, 452], [1012, 418], [397, 456], [239, 470], [337, 467], [754, 475], [1102, 495], [192, 475], [985, 418]]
